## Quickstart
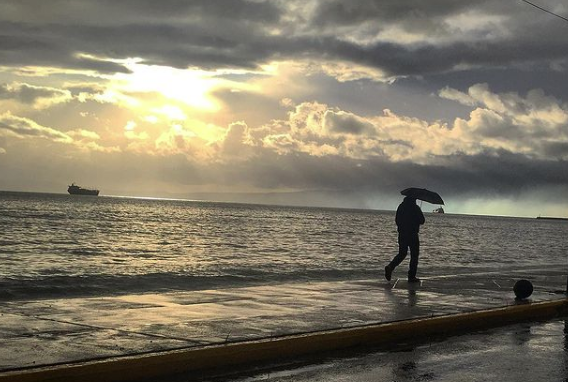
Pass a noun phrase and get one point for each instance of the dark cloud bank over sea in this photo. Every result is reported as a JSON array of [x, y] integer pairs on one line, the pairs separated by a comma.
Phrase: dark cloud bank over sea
[[330, 181]]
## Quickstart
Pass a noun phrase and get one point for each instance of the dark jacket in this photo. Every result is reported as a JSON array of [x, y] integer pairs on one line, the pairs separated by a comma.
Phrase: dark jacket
[[409, 216]]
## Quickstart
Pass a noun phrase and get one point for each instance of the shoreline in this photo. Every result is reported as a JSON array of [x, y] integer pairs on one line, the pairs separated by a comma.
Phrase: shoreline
[[551, 218]]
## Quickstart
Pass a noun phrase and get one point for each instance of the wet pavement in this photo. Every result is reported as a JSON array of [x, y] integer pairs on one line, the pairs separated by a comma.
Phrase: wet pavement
[[523, 352], [47, 332]]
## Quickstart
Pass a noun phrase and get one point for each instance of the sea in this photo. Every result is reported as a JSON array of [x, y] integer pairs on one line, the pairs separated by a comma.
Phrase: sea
[[59, 246]]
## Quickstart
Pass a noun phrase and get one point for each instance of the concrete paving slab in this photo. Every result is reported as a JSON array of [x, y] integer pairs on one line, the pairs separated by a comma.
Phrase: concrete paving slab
[[55, 331], [49, 350], [17, 325]]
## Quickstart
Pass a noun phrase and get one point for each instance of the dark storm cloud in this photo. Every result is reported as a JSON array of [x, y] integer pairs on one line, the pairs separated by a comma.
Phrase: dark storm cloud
[[555, 149], [496, 173], [337, 12], [30, 45], [212, 34], [491, 174], [175, 33], [110, 11]]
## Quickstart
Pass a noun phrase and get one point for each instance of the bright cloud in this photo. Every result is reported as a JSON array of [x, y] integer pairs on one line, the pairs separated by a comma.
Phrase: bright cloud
[[83, 134], [40, 97], [26, 128], [529, 125]]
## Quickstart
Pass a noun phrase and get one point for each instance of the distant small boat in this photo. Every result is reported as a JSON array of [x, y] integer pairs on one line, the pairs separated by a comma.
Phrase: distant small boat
[[439, 210], [73, 189]]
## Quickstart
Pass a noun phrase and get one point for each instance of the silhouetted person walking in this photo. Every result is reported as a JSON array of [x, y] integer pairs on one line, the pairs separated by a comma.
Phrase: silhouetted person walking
[[409, 218]]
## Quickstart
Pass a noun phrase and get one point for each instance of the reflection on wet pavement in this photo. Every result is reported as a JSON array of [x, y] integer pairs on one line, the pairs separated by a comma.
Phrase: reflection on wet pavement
[[522, 352]]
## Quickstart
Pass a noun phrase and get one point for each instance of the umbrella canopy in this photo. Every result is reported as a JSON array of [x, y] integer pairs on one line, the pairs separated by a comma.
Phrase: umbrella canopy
[[423, 194]]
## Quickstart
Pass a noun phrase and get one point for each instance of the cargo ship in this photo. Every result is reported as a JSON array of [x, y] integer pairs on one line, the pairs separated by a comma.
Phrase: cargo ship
[[73, 189]]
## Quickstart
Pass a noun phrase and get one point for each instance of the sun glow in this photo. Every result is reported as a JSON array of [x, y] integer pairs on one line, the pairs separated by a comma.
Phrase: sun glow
[[189, 86], [172, 112]]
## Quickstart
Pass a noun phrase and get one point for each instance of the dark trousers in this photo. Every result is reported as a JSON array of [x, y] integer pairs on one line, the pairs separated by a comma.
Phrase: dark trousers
[[406, 240]]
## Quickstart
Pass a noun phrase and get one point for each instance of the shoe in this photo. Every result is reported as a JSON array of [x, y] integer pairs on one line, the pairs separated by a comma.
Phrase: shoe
[[388, 273], [413, 280]]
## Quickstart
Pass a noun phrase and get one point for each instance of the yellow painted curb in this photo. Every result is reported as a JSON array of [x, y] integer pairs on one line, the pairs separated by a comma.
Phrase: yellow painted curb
[[272, 349]]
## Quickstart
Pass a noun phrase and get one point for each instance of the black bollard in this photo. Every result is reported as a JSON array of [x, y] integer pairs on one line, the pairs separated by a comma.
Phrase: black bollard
[[523, 289]]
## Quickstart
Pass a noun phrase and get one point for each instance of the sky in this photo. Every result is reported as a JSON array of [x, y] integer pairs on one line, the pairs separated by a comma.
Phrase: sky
[[301, 102]]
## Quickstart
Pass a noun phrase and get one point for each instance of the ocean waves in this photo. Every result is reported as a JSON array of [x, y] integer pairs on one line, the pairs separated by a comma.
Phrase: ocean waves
[[62, 246], [71, 286]]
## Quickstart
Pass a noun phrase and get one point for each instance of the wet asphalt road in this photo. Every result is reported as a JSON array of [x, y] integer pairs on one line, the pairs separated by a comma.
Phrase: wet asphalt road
[[522, 352]]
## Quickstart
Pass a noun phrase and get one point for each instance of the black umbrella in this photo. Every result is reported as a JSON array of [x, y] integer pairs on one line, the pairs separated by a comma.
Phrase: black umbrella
[[423, 194]]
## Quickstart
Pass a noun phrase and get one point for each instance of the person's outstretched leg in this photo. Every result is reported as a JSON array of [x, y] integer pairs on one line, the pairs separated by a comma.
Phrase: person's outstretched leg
[[402, 252], [414, 244]]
